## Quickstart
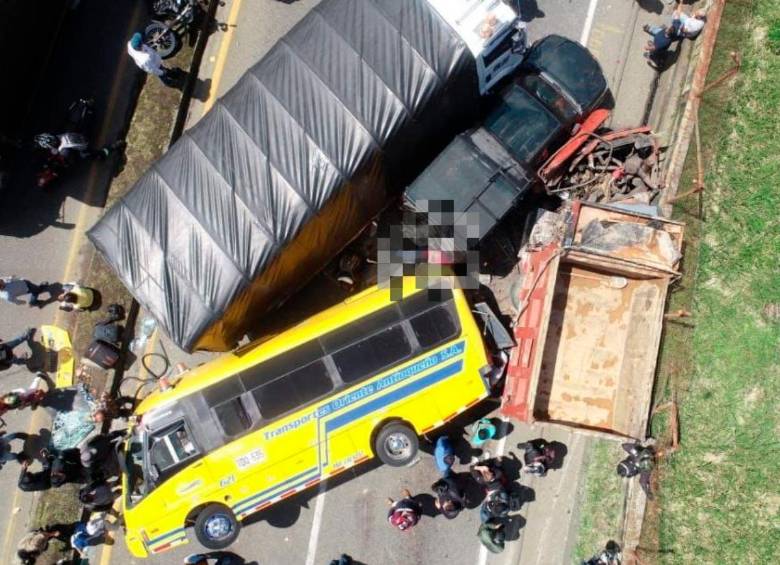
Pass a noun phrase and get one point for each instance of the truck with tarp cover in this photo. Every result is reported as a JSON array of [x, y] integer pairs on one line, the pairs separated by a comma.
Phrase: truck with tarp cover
[[291, 163]]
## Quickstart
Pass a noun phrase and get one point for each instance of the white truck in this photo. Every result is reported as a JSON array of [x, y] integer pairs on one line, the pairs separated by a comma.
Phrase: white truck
[[493, 32]]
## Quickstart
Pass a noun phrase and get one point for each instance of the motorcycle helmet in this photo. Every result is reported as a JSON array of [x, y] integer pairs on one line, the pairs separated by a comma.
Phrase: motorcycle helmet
[[627, 468], [46, 141], [11, 400]]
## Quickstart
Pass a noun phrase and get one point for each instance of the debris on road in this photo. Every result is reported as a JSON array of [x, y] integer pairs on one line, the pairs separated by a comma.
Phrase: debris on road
[[612, 167]]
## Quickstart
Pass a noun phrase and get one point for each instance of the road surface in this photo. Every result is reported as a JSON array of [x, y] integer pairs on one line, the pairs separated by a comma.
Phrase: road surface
[[41, 231], [349, 515]]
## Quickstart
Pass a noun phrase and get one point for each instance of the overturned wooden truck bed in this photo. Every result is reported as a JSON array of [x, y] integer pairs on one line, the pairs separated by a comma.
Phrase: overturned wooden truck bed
[[591, 315]]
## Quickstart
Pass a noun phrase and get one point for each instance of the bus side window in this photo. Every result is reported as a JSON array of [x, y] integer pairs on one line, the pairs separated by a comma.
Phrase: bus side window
[[373, 354], [435, 326], [233, 417], [293, 390]]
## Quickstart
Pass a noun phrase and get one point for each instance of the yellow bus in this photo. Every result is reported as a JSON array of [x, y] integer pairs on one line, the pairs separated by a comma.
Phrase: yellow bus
[[256, 426]]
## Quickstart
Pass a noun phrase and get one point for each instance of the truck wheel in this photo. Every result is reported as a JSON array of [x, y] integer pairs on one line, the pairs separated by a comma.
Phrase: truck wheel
[[216, 527], [396, 445]]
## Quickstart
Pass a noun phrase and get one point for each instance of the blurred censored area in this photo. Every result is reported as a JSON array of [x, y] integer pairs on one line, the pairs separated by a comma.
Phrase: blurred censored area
[[433, 243]]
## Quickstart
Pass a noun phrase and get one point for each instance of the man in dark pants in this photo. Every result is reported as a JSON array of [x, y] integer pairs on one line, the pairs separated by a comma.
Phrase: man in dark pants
[[640, 461], [658, 46], [11, 288], [7, 356]]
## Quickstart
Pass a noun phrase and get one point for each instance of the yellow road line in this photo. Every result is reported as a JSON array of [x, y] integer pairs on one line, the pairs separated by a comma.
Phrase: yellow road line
[[219, 65], [78, 232], [105, 555], [219, 69]]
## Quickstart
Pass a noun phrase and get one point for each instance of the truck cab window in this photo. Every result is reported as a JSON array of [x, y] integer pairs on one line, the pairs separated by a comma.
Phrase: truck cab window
[[548, 95], [517, 106]]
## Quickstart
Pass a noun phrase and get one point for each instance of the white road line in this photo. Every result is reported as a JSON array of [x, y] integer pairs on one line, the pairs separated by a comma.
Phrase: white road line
[[504, 431], [588, 22], [314, 536]]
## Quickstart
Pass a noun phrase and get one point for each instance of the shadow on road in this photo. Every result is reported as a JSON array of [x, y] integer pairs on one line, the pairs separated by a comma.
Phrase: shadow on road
[[529, 10], [84, 60], [653, 6]]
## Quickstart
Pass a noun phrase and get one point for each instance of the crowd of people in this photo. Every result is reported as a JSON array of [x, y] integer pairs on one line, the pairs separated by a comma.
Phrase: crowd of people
[[92, 464], [94, 467], [499, 493]]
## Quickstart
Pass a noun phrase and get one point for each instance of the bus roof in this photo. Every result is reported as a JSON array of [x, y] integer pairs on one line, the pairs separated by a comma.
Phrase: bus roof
[[248, 355]]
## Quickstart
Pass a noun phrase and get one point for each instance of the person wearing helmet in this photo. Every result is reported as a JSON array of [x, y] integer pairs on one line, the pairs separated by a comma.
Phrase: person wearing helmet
[[444, 455], [450, 497], [482, 432], [491, 534], [538, 456], [148, 60], [405, 513]]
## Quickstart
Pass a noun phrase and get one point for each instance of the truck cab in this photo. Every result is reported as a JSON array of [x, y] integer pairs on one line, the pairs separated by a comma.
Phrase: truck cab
[[487, 170], [493, 32]]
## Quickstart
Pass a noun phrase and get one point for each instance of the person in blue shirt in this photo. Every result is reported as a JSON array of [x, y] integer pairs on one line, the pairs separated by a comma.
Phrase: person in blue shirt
[[444, 455]]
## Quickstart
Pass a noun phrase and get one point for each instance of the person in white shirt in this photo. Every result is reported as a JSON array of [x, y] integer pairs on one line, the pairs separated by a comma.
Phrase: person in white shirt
[[148, 60], [688, 26]]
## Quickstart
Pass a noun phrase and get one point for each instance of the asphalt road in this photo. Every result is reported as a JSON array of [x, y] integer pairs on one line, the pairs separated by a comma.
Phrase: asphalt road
[[41, 231], [349, 516]]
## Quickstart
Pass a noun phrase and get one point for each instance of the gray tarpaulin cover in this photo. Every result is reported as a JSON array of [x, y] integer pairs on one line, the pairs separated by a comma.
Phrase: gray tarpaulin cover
[[288, 166]]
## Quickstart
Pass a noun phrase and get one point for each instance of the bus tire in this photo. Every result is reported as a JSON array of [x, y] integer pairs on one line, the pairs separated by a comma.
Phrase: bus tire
[[216, 527], [396, 444]]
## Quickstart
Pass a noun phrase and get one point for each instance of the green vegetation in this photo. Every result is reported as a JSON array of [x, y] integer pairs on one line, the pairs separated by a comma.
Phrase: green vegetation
[[602, 500], [718, 500], [718, 497]]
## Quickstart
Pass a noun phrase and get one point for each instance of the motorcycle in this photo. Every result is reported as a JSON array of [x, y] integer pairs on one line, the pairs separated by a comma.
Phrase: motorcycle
[[172, 19], [66, 149]]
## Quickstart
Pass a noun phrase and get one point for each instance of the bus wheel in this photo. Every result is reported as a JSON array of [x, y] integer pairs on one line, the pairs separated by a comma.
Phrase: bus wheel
[[396, 445], [216, 527]]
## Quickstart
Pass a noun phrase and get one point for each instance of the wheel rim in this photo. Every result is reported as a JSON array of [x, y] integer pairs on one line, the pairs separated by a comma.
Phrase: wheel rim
[[398, 446], [160, 38], [218, 527]]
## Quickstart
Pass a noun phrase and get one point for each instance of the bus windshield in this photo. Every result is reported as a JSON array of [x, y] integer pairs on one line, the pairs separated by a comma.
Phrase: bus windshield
[[134, 463]]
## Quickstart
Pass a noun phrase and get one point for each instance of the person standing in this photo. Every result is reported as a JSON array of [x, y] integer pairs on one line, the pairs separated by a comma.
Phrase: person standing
[[7, 356], [491, 534], [405, 513], [148, 60], [6, 452], [35, 543], [444, 455], [33, 481], [658, 46], [97, 497], [75, 297], [11, 288], [92, 532], [450, 499], [688, 26]]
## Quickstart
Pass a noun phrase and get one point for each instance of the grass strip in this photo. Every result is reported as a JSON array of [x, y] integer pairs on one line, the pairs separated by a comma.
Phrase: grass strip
[[718, 497], [602, 500]]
